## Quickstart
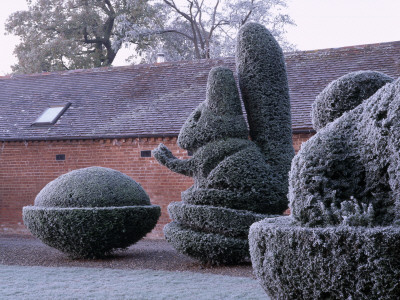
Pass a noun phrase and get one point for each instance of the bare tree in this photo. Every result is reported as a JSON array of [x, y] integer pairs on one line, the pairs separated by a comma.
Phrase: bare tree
[[208, 28]]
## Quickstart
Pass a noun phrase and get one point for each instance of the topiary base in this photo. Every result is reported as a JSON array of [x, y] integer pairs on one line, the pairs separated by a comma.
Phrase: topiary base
[[294, 262], [256, 202], [225, 221], [207, 247], [90, 232]]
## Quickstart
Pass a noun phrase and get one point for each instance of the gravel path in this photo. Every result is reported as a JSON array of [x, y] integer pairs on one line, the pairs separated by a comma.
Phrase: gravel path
[[146, 254]]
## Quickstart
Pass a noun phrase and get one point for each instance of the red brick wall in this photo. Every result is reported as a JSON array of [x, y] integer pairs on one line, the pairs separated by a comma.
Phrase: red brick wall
[[300, 138], [26, 167]]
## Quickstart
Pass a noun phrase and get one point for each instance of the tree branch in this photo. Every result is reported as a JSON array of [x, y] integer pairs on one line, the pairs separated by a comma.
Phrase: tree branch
[[90, 41], [246, 18], [213, 27], [172, 31], [173, 5]]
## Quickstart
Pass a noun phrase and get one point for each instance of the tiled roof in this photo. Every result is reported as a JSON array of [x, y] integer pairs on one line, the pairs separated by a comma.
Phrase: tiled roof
[[155, 100], [310, 72]]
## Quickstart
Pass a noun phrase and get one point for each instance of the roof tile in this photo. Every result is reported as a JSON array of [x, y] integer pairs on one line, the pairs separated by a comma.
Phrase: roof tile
[[155, 100]]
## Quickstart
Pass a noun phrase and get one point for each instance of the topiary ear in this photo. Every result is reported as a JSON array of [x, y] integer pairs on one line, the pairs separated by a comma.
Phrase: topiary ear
[[222, 92]]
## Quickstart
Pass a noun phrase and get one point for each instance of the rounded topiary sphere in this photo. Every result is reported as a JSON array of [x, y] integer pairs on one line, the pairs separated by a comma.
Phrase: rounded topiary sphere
[[92, 187], [344, 94], [90, 212]]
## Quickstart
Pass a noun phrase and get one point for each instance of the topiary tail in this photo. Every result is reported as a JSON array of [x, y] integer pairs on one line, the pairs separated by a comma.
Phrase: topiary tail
[[265, 93]]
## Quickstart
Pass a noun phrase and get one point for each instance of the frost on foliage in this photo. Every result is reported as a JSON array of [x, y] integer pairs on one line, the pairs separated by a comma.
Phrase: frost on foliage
[[350, 213], [199, 29], [264, 88], [236, 181], [338, 262], [344, 94], [342, 239], [357, 155], [91, 212], [92, 187]]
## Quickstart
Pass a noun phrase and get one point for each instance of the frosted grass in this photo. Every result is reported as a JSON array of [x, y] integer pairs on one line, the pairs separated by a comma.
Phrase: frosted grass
[[31, 282]]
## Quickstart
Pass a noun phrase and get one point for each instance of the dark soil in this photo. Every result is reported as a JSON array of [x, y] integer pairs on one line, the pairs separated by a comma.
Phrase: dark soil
[[146, 254]]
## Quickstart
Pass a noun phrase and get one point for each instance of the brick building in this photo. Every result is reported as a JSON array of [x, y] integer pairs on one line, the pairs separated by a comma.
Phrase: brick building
[[114, 117]]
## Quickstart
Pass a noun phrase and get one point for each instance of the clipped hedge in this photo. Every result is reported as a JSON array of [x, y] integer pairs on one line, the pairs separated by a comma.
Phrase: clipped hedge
[[92, 187], [251, 200], [344, 94], [354, 157], [90, 212], [218, 117], [229, 222], [235, 179], [90, 232], [265, 92], [207, 247], [343, 262], [342, 240]]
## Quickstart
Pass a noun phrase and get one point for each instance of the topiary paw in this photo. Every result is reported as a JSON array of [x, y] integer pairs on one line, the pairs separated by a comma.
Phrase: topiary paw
[[163, 154]]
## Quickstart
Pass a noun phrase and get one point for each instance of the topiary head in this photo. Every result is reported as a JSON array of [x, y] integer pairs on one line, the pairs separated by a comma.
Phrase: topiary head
[[344, 94], [92, 187], [219, 116]]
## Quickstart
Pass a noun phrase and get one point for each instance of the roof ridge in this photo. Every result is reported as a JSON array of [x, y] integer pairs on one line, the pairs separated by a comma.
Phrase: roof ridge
[[343, 49], [114, 68], [197, 61]]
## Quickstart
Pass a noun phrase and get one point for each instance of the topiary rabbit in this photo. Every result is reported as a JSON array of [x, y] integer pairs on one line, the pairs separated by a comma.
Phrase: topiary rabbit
[[237, 181], [342, 240], [348, 165]]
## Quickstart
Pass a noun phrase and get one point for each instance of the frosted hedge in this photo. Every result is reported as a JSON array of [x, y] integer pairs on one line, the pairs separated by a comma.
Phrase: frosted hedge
[[342, 239], [354, 158], [91, 212], [342, 262], [237, 181], [344, 94]]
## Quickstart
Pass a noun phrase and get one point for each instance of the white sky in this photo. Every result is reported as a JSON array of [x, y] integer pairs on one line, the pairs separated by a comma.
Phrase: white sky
[[320, 24]]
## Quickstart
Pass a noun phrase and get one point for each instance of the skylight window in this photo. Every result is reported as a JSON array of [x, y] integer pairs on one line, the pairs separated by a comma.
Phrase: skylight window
[[51, 114]]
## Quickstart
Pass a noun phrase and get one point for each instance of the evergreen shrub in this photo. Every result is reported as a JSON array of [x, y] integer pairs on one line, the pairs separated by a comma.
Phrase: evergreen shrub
[[343, 237], [344, 94], [237, 181], [207, 247], [225, 221], [91, 212], [334, 262], [354, 157]]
